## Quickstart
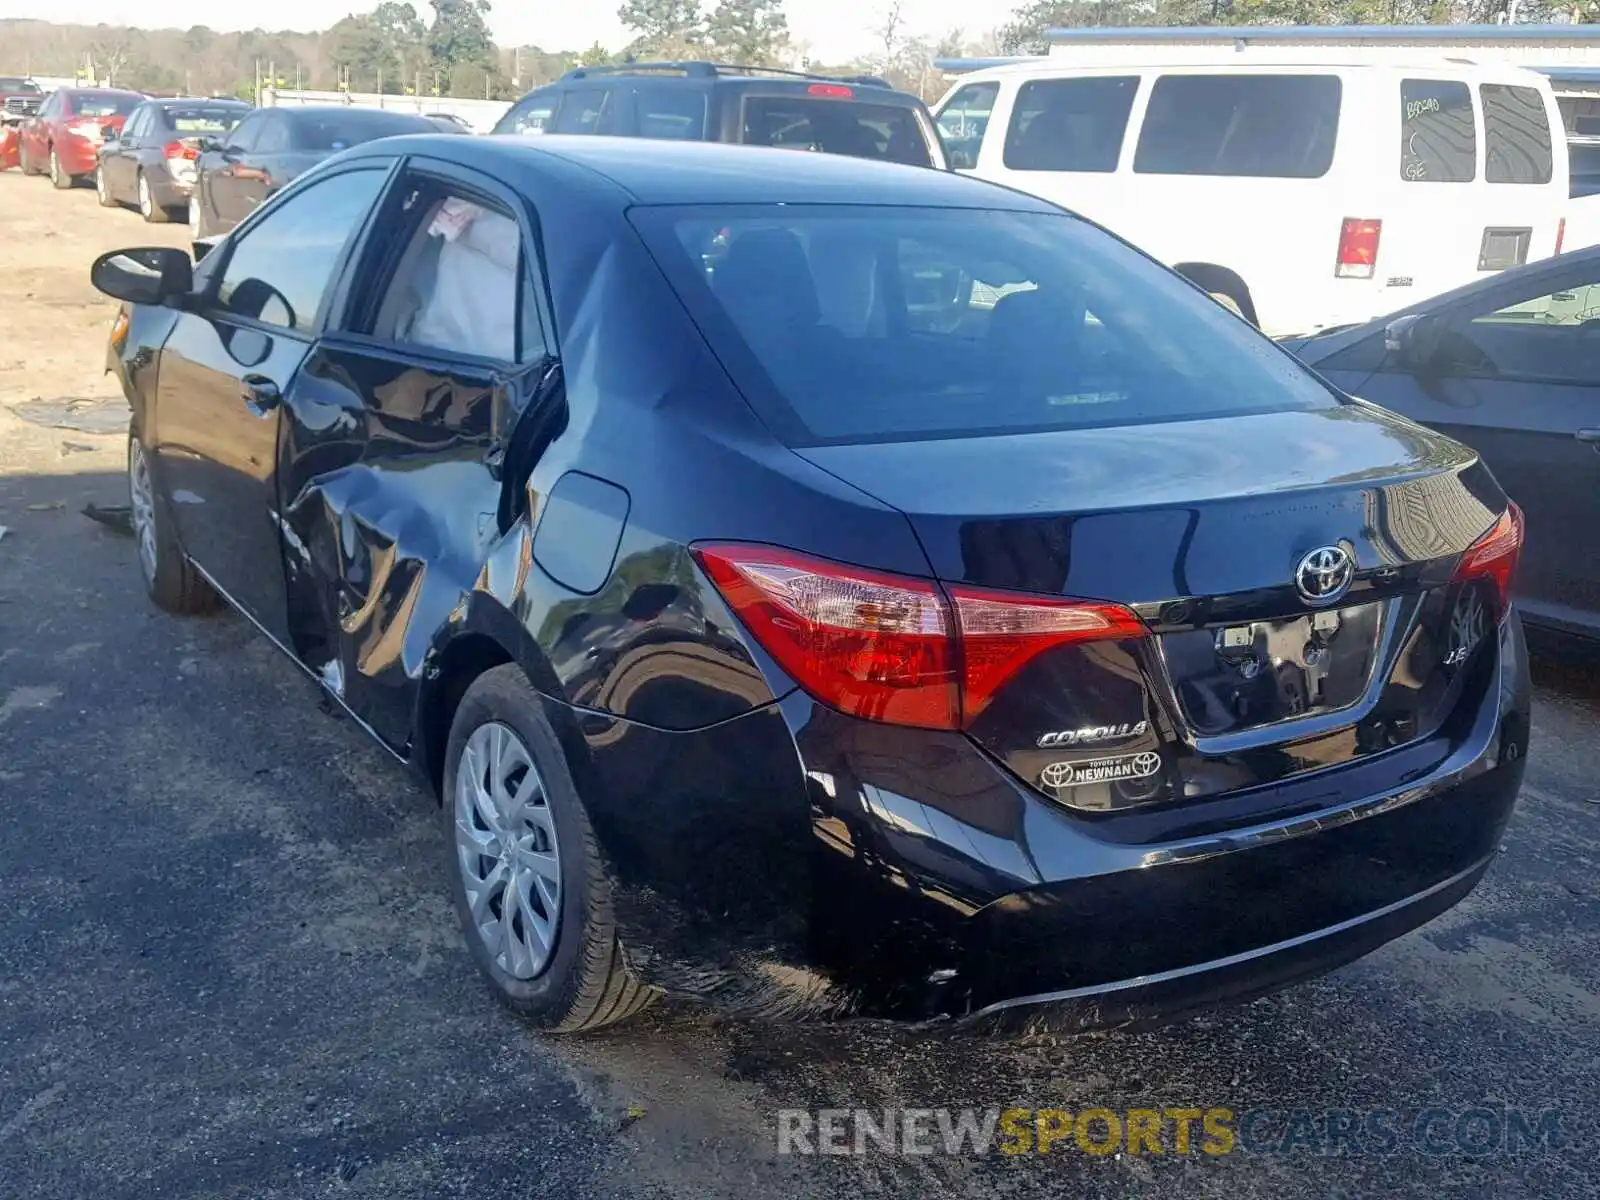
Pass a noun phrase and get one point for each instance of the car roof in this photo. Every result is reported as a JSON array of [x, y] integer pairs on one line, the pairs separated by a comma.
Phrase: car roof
[[1234, 63], [225, 101], [326, 111], [649, 171], [1317, 348]]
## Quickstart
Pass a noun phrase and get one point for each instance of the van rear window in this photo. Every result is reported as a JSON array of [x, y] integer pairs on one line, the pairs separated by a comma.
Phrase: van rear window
[[1438, 136], [1516, 135], [1070, 124], [836, 127], [1261, 126]]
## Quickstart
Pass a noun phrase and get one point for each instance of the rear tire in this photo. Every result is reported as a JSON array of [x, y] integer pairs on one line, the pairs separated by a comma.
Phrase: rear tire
[[102, 189], [25, 162], [583, 981], [169, 576], [152, 212], [59, 178]]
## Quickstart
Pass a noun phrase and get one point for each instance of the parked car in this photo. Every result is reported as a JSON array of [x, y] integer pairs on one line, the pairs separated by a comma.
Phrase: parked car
[[1303, 193], [939, 608], [272, 147], [450, 123], [1511, 367], [858, 115], [19, 96], [64, 137], [151, 161]]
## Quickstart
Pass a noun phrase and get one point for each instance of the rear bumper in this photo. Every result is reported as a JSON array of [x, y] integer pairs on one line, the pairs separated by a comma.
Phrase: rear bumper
[[904, 873]]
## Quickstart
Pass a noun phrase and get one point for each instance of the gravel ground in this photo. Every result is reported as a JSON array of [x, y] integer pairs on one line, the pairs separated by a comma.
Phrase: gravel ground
[[228, 967]]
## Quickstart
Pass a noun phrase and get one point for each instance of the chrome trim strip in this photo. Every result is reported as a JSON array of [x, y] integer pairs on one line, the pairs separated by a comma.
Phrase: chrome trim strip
[[1221, 964], [295, 659]]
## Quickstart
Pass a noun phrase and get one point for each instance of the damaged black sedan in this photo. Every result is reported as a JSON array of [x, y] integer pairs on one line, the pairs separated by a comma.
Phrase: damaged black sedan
[[821, 586]]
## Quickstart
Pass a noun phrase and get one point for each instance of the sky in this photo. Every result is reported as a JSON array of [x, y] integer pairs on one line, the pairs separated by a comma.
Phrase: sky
[[836, 30]]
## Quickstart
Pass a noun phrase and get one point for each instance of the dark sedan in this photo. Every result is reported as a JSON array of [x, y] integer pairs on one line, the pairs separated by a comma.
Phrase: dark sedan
[[274, 146], [1511, 367], [819, 586], [151, 163]]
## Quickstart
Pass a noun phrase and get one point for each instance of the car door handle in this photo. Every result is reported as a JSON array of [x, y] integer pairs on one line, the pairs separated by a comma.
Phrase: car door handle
[[1592, 436], [260, 394]]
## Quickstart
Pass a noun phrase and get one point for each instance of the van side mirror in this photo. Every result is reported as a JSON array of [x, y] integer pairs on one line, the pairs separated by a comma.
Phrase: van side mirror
[[1414, 342], [144, 274]]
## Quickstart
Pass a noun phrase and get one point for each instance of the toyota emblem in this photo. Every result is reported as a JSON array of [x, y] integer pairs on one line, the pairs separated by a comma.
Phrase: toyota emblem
[[1325, 574]]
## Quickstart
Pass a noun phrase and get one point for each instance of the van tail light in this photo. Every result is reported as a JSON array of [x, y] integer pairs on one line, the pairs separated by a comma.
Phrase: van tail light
[[836, 90], [1494, 557], [1561, 233], [893, 648], [1358, 248], [180, 150]]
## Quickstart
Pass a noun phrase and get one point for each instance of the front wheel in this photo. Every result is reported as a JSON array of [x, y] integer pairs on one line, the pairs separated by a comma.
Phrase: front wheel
[[169, 577], [197, 217], [525, 871]]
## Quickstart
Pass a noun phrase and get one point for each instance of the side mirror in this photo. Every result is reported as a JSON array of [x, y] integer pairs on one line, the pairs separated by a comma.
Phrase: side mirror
[[108, 134], [1414, 341], [143, 275], [206, 142]]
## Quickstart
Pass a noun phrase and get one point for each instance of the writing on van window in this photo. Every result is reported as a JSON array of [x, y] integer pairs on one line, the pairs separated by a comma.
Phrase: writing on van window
[[1438, 136]]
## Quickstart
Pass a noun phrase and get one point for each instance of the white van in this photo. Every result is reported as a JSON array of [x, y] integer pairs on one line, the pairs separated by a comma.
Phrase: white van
[[1303, 192]]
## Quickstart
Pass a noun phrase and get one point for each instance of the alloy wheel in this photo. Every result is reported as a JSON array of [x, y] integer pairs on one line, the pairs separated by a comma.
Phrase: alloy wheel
[[194, 217], [100, 184], [146, 205], [506, 850], [141, 497], [55, 167]]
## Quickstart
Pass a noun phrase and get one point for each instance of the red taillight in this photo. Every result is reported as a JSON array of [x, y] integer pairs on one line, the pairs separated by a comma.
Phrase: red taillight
[[1494, 557], [85, 127], [1561, 233], [1358, 248], [180, 150], [893, 648], [837, 90]]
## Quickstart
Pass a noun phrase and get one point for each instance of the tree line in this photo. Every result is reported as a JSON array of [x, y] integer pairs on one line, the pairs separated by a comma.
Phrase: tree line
[[445, 47]]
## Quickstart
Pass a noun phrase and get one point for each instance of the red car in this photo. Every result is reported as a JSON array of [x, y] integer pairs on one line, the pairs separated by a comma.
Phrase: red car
[[65, 136]]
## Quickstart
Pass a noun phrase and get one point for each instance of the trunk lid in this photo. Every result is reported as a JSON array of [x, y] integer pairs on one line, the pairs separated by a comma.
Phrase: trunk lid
[[1222, 535]]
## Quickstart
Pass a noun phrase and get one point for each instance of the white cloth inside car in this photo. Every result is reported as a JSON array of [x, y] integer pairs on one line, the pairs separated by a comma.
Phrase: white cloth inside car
[[471, 304]]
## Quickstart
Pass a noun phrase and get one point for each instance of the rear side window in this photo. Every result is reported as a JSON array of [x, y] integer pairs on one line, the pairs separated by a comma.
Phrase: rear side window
[[964, 120], [859, 323], [1070, 124], [1516, 135], [581, 111], [1262, 126], [1438, 137], [675, 113], [836, 127]]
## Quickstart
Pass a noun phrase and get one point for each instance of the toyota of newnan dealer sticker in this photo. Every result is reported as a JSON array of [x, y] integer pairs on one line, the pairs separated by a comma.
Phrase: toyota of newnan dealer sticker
[[1100, 770]]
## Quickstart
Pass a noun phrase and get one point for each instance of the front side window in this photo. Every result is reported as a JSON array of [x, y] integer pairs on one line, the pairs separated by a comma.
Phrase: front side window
[[1070, 124], [531, 114], [1438, 136], [1259, 126], [964, 120], [581, 111], [281, 266], [675, 113], [1516, 134], [857, 324], [274, 138], [850, 127], [244, 135], [455, 288]]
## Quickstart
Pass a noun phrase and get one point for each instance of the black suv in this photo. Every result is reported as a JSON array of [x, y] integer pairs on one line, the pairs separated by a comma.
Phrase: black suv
[[860, 115]]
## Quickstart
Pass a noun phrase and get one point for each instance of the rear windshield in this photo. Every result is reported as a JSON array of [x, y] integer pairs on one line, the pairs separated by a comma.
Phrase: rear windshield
[[102, 104], [201, 119], [1438, 137], [1070, 124], [836, 127], [1263, 126], [351, 128], [10, 83], [860, 324], [1516, 135]]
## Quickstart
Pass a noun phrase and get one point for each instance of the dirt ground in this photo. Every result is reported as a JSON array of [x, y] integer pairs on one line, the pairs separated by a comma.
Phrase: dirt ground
[[228, 968]]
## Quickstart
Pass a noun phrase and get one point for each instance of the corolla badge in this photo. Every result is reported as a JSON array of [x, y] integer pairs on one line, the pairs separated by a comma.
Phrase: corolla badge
[[1060, 775], [1325, 574], [1091, 733]]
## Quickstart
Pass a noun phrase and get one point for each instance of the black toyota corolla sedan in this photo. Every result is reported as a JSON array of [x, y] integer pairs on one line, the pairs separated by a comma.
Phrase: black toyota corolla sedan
[[822, 586]]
